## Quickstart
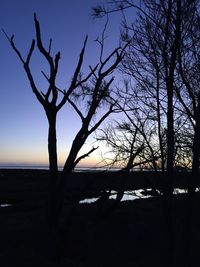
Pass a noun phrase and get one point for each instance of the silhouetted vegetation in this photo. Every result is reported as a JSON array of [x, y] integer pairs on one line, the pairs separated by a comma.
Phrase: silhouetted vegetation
[[157, 132], [163, 40], [86, 95], [160, 100], [160, 97]]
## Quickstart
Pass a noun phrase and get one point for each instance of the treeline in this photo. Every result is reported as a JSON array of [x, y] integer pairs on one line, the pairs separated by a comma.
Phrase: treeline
[[160, 93]]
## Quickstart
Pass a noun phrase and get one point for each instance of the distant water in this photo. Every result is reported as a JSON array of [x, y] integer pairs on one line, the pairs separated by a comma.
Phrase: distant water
[[45, 167], [42, 167]]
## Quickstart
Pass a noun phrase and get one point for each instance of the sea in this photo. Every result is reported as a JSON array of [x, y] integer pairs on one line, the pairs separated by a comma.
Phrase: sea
[[46, 167]]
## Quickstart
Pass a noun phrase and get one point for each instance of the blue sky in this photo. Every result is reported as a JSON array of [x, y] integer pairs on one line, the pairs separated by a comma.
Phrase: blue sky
[[23, 134]]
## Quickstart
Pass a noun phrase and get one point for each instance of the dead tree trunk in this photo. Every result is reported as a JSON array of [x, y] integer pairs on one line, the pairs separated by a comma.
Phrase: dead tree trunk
[[52, 141]]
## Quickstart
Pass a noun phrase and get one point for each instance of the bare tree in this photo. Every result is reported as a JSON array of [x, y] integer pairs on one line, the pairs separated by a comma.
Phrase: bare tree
[[124, 144], [87, 95], [189, 94], [152, 60], [157, 36], [50, 99], [164, 60], [97, 95]]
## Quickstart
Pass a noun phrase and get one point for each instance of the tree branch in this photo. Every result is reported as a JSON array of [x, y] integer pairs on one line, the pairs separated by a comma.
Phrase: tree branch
[[85, 155], [100, 121], [76, 109], [40, 45], [74, 83], [26, 65]]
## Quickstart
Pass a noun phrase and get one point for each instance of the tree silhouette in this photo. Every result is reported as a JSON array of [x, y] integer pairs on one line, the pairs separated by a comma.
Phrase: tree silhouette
[[151, 60], [92, 99], [188, 91], [163, 59], [50, 99], [160, 37], [97, 95], [87, 95]]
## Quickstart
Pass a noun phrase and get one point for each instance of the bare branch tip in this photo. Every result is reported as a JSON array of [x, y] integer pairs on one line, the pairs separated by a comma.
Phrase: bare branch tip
[[36, 20], [12, 38], [85, 41], [35, 16], [4, 32]]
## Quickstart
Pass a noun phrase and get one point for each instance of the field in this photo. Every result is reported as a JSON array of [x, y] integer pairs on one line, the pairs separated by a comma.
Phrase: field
[[134, 233]]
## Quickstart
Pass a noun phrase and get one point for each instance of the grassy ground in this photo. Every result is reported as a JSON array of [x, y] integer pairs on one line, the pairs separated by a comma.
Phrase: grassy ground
[[133, 234]]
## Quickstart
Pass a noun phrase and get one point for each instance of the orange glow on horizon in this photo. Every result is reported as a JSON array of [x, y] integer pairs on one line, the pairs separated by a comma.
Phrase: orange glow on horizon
[[43, 161]]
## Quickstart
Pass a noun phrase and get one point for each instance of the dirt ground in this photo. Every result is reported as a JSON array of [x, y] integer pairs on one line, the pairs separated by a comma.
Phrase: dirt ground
[[135, 233]]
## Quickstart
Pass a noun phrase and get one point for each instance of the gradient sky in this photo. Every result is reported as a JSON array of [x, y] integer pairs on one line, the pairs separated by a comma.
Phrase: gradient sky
[[23, 134]]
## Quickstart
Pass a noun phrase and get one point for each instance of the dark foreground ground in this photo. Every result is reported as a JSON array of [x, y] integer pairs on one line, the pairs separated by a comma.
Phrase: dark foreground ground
[[133, 234]]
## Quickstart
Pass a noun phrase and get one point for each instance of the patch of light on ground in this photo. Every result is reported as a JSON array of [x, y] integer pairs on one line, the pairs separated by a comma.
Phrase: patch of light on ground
[[128, 195], [5, 205]]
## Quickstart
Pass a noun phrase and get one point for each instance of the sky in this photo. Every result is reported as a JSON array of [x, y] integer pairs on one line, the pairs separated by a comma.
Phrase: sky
[[23, 123]]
